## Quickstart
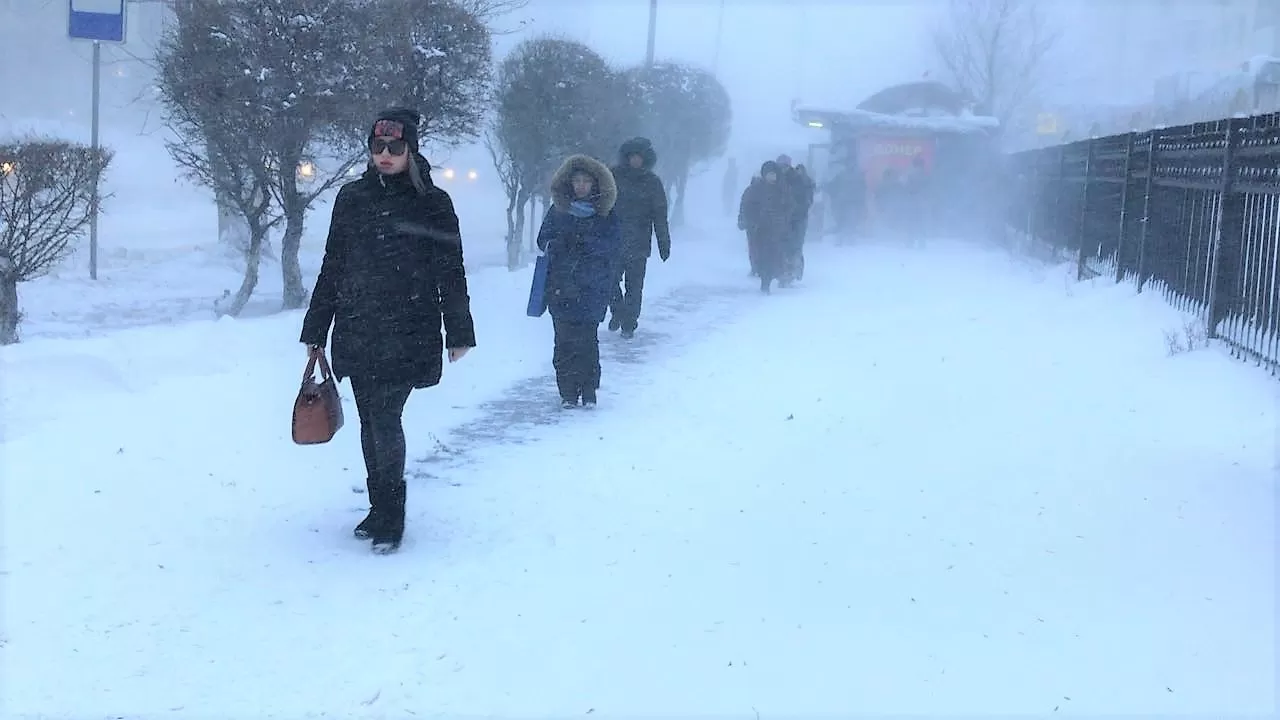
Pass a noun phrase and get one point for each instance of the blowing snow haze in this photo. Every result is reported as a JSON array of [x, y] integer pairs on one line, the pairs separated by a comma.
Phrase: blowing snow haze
[[851, 359]]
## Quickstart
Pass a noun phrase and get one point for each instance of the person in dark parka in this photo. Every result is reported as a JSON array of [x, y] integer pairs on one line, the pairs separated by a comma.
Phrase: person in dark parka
[[765, 212], [802, 193], [642, 213], [583, 241], [392, 274]]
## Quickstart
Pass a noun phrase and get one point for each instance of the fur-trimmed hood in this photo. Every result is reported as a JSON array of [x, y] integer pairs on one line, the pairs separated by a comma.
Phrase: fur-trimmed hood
[[562, 183], [638, 146]]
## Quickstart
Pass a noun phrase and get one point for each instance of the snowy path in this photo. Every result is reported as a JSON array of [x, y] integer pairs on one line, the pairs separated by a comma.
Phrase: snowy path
[[925, 483]]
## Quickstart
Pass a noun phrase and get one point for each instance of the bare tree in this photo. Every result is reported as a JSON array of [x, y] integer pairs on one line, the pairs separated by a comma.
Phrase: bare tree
[[996, 52], [46, 202], [509, 176], [488, 11]]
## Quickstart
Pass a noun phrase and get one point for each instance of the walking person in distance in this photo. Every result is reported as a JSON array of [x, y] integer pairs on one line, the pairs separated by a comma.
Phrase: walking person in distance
[[392, 275], [765, 212], [581, 237], [642, 213]]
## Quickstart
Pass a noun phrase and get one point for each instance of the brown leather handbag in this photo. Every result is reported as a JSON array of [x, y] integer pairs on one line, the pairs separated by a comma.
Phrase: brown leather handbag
[[317, 413]]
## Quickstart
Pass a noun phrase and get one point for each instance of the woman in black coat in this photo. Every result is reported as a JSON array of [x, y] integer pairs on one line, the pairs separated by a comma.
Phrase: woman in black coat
[[392, 275], [766, 213]]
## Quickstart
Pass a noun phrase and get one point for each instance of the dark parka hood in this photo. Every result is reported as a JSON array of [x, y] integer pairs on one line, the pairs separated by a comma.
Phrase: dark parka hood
[[638, 146]]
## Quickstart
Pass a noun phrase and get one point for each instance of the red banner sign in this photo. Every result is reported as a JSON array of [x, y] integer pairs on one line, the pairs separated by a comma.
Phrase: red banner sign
[[878, 153]]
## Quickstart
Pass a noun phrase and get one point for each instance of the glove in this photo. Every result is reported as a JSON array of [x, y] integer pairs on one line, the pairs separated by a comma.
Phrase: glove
[[664, 252]]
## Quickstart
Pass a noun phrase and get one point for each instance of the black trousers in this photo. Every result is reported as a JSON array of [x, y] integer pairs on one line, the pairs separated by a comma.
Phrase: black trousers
[[381, 406], [576, 358], [626, 303]]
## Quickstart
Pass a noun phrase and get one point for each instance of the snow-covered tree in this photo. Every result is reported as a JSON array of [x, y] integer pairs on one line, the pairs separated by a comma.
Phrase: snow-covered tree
[[555, 97], [436, 56], [275, 97], [46, 203], [686, 113]]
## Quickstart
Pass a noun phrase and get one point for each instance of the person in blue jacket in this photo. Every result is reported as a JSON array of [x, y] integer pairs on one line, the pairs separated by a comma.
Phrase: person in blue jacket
[[582, 239]]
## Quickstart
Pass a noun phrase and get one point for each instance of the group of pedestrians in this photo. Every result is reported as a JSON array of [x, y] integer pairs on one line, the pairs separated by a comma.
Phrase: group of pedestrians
[[393, 277], [774, 212]]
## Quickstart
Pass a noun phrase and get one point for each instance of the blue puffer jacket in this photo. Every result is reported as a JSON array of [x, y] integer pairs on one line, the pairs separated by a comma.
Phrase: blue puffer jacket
[[584, 254]]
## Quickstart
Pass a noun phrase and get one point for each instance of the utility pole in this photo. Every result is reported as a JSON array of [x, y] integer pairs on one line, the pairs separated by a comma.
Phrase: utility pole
[[715, 58], [653, 32], [94, 197]]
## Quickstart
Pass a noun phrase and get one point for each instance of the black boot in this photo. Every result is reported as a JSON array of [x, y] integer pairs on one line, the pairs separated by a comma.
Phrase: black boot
[[589, 397], [368, 527], [389, 531]]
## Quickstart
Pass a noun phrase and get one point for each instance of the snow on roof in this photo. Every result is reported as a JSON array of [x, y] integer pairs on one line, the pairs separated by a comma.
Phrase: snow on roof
[[1259, 64], [963, 123]]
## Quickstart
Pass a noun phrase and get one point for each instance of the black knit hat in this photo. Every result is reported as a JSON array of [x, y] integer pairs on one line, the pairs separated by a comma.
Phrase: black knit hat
[[398, 122]]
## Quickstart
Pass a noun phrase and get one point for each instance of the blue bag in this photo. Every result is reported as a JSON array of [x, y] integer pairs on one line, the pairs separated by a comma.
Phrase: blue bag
[[538, 288]]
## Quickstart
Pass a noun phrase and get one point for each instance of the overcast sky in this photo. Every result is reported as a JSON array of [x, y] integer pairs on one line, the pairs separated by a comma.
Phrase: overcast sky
[[830, 53]]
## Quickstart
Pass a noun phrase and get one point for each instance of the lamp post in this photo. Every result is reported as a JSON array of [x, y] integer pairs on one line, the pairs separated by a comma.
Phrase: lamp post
[[653, 32]]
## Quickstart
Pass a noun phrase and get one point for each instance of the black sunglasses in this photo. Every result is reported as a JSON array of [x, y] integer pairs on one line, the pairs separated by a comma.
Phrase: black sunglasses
[[397, 147]]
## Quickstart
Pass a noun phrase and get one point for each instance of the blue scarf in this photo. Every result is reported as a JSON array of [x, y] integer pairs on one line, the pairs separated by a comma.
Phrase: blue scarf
[[582, 209]]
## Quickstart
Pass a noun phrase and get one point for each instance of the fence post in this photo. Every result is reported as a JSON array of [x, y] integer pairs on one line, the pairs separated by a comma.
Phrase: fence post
[[1124, 203], [1224, 265], [1152, 158], [1032, 167], [1083, 227]]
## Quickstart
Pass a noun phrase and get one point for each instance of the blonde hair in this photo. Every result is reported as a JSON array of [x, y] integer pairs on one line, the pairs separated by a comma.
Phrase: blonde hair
[[415, 176]]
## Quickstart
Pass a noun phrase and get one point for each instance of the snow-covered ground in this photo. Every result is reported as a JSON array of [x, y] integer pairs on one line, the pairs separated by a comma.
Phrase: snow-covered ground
[[926, 482]]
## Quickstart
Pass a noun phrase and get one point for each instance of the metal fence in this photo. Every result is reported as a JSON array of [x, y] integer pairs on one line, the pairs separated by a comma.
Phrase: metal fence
[[1191, 211]]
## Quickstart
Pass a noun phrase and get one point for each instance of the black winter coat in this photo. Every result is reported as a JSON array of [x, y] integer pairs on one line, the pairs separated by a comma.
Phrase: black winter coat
[[641, 211], [392, 274], [802, 192], [766, 210]]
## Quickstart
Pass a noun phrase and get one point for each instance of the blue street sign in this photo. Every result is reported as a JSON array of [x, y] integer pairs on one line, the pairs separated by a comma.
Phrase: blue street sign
[[101, 20]]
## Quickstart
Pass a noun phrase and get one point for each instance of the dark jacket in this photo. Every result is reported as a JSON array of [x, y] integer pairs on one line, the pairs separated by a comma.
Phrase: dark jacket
[[802, 192], [766, 208], [642, 202], [766, 212], [583, 254], [392, 274]]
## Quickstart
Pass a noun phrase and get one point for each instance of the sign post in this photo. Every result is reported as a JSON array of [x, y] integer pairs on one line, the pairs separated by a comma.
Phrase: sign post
[[100, 21]]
